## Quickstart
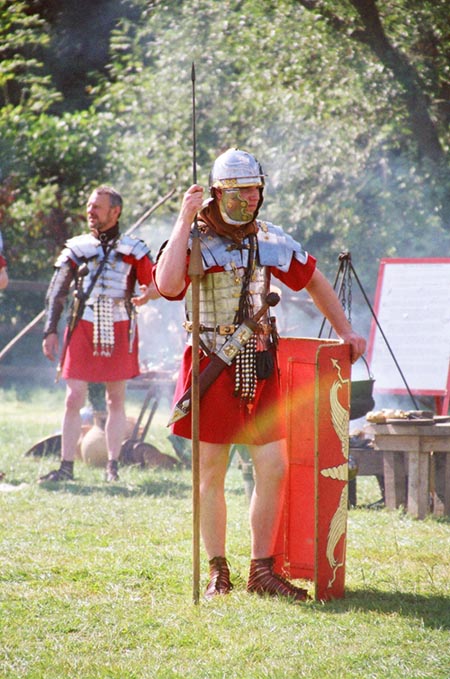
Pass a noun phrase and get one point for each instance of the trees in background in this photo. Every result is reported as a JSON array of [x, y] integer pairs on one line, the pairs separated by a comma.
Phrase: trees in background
[[345, 102]]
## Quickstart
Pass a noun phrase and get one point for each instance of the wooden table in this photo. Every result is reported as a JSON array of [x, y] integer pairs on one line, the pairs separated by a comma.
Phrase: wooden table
[[416, 465]]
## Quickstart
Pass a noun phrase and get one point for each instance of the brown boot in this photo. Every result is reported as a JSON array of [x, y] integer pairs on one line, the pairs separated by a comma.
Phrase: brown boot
[[219, 577], [264, 581]]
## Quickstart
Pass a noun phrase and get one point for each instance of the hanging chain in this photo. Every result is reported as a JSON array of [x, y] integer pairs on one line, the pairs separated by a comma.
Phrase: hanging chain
[[345, 293]]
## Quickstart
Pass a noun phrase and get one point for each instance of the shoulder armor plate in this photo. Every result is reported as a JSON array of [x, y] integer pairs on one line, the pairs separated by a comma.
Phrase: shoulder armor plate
[[79, 248], [275, 247], [127, 245], [86, 246]]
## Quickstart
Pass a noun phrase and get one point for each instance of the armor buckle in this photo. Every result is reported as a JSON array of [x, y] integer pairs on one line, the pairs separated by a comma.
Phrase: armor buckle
[[226, 329]]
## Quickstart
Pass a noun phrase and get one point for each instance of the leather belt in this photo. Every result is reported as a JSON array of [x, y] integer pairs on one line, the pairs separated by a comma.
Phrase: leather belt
[[117, 301], [263, 328]]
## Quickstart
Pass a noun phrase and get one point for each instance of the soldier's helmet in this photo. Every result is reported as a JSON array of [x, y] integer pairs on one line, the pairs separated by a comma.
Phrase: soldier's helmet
[[232, 170]]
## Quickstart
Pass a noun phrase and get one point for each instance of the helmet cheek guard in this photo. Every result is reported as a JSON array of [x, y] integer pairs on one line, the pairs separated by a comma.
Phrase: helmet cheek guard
[[234, 208], [232, 171]]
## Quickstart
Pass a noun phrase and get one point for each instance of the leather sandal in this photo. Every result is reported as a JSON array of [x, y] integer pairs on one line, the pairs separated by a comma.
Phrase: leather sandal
[[219, 577], [263, 581]]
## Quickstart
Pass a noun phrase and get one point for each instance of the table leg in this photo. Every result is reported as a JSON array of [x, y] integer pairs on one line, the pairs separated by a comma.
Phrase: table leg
[[441, 486], [418, 484], [394, 479], [446, 475]]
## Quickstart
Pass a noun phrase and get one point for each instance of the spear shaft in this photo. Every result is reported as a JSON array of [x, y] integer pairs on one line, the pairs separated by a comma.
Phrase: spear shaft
[[195, 272]]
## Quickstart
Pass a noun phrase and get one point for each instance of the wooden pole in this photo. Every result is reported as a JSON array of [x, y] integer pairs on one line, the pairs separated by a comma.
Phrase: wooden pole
[[195, 266], [20, 334], [150, 211], [195, 273]]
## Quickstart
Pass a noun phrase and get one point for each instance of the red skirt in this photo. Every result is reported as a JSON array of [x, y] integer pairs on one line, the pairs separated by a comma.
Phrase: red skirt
[[81, 364], [225, 418]]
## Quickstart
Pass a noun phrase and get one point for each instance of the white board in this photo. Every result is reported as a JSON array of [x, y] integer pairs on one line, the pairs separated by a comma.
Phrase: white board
[[412, 306]]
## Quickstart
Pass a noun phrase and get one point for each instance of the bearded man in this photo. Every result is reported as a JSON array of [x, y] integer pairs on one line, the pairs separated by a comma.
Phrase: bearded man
[[101, 341]]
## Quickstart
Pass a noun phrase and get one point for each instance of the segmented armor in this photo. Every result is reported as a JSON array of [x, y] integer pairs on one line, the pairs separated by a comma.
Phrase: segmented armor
[[112, 289], [220, 292]]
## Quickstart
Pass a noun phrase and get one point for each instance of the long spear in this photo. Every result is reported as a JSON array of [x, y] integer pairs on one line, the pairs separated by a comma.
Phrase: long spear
[[6, 349], [21, 334], [150, 211], [195, 272]]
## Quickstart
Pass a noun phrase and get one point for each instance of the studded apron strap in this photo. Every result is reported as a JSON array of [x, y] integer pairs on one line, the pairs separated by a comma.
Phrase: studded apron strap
[[245, 362]]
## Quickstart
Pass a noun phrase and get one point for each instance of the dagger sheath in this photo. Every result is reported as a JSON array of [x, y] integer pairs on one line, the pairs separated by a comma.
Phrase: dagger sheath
[[223, 358]]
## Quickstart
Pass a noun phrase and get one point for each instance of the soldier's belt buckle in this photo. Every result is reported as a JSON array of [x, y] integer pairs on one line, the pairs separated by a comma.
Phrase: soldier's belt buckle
[[226, 329]]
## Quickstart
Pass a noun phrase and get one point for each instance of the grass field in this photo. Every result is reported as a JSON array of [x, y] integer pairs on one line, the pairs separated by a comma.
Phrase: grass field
[[96, 579]]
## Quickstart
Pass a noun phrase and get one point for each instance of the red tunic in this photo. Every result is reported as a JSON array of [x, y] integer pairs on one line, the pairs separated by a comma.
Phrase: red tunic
[[225, 418], [80, 362]]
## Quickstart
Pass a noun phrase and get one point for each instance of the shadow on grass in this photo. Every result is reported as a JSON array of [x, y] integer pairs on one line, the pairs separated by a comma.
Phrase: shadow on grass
[[151, 487], [433, 610]]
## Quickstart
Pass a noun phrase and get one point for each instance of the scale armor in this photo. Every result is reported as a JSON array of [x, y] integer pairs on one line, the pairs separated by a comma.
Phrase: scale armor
[[219, 303], [112, 283], [220, 292]]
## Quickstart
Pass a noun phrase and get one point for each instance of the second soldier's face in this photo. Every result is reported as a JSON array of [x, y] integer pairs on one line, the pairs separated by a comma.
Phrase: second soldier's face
[[100, 215]]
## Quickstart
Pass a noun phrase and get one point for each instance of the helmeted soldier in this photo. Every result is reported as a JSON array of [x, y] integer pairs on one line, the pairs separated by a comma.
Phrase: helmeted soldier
[[240, 254], [100, 343]]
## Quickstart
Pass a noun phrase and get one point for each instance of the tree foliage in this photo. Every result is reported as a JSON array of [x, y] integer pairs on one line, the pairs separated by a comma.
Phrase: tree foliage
[[301, 87], [345, 102], [23, 83]]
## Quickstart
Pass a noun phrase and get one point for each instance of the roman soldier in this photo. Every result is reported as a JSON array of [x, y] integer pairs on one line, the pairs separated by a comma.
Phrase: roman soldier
[[241, 253], [101, 342]]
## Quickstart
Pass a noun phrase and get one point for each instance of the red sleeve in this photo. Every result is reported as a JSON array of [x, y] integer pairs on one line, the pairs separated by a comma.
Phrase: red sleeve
[[298, 275], [144, 268], [2, 262]]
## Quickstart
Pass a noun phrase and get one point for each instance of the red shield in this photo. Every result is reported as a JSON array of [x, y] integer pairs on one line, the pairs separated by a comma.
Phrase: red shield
[[312, 537]]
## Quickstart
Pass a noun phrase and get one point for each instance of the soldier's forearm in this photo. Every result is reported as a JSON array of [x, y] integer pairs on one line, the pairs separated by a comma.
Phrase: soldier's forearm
[[4, 280], [171, 266], [56, 297]]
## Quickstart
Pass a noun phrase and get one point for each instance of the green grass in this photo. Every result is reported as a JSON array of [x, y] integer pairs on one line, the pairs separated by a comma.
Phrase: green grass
[[96, 580]]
